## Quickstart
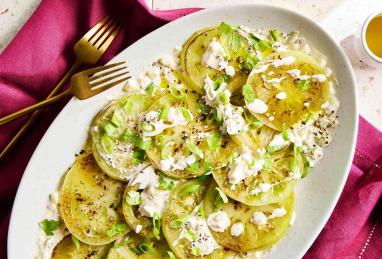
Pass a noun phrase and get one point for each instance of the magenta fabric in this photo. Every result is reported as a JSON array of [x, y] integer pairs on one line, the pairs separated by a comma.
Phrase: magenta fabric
[[39, 56]]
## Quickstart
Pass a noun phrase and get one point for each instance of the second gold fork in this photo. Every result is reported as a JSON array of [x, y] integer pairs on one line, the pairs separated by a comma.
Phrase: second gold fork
[[83, 85]]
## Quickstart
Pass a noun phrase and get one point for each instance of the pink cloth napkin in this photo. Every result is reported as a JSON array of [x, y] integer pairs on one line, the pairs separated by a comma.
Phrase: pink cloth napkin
[[41, 53]]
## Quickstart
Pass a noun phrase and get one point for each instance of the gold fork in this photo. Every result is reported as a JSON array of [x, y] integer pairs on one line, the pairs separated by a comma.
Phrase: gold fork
[[88, 50], [83, 85]]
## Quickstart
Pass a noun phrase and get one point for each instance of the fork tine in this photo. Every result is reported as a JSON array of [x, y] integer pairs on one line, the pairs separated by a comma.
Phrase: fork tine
[[93, 30], [107, 33], [99, 69], [101, 31], [93, 78], [105, 87], [109, 40], [100, 82]]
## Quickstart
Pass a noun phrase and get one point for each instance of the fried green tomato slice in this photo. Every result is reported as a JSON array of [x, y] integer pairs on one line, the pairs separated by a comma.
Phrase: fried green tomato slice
[[184, 210], [275, 182], [89, 203], [250, 227], [236, 47], [184, 143], [116, 146], [292, 84], [134, 246], [70, 248], [257, 136]]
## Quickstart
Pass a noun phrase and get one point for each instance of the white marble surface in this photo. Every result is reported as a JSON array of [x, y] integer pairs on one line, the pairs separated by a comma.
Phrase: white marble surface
[[341, 17]]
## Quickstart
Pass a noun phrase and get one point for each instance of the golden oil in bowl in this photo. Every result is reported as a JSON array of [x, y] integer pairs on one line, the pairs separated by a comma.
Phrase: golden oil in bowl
[[374, 36]]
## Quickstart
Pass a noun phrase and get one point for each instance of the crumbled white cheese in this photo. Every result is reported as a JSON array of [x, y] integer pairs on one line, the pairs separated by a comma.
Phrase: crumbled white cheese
[[230, 70], [247, 164], [281, 95], [180, 164], [153, 198], [259, 218], [218, 221], [237, 229], [165, 164], [171, 78], [168, 61], [314, 156], [144, 178], [306, 104], [233, 121], [132, 85], [151, 75], [153, 72], [271, 118], [138, 228], [153, 201], [312, 136], [277, 213], [257, 106], [214, 55], [204, 240]]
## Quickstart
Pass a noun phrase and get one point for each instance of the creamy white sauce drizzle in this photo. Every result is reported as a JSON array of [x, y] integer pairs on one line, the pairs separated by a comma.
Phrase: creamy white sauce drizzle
[[46, 244], [151, 125], [257, 106], [212, 95]]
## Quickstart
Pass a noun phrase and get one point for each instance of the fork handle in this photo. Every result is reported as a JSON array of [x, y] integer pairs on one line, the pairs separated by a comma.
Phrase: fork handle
[[34, 107]]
